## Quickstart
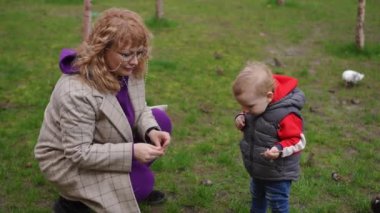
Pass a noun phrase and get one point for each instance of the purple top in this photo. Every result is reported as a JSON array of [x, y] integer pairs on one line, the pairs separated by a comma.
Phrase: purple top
[[125, 102], [66, 59]]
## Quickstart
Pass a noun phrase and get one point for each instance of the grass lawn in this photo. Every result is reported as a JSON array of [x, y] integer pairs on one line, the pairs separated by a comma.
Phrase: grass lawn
[[198, 49]]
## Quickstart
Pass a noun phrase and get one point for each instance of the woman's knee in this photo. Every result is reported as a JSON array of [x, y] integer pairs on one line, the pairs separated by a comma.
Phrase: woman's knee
[[162, 119]]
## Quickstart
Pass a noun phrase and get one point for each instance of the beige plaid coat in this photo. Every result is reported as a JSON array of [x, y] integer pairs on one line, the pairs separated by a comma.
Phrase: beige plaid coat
[[84, 147]]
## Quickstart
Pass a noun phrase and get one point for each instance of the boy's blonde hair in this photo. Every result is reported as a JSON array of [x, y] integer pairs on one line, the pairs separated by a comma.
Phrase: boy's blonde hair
[[115, 29], [257, 74]]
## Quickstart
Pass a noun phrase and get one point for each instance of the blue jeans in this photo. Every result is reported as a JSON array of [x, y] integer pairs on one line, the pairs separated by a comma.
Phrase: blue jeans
[[274, 193]]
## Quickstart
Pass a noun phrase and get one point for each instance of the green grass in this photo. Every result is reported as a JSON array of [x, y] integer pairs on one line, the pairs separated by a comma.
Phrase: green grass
[[198, 49]]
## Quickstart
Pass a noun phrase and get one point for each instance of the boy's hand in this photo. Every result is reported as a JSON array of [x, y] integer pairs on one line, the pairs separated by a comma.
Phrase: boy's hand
[[272, 153], [240, 121]]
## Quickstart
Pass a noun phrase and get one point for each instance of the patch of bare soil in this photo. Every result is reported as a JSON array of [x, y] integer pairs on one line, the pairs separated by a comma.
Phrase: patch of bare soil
[[280, 54], [157, 209], [351, 152]]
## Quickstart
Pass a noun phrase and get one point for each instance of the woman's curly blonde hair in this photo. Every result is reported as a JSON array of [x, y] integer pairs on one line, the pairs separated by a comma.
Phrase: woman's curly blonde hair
[[117, 29]]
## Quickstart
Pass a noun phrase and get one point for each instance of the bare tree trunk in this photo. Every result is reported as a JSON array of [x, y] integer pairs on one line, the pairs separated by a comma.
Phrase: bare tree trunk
[[359, 38], [280, 2], [86, 28], [159, 9]]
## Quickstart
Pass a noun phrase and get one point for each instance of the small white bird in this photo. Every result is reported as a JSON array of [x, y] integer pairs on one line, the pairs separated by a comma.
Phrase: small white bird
[[352, 77]]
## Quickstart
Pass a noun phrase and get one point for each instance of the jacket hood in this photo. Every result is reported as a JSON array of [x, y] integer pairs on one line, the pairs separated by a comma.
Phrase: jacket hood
[[284, 85], [66, 59]]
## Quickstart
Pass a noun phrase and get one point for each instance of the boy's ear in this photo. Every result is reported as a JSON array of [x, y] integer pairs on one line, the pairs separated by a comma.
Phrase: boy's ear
[[270, 96]]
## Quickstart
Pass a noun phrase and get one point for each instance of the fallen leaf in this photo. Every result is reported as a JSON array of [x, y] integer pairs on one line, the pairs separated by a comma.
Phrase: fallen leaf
[[206, 182]]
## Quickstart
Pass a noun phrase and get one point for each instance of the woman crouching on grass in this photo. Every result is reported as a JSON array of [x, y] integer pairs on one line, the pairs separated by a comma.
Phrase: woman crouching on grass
[[98, 137]]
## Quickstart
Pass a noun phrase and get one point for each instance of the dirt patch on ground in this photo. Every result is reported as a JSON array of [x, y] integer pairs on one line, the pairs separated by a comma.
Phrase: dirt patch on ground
[[280, 53], [351, 152], [157, 209]]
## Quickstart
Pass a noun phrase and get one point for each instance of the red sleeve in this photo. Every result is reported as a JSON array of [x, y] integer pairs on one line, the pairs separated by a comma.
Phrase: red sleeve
[[290, 134]]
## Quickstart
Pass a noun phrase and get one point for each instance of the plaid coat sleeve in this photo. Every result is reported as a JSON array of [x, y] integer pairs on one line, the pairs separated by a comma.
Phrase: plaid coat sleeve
[[144, 117]]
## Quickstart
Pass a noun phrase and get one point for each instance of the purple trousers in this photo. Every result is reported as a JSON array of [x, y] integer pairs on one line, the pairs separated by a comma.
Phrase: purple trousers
[[142, 177]]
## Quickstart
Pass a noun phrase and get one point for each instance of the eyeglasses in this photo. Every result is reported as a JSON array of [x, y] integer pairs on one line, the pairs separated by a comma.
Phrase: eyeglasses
[[129, 55]]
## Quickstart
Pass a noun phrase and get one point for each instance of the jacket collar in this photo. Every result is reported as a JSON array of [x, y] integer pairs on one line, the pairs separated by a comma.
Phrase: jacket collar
[[113, 111]]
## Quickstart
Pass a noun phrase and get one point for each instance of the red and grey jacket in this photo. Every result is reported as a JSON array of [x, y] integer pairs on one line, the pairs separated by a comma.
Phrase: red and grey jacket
[[280, 125], [290, 132]]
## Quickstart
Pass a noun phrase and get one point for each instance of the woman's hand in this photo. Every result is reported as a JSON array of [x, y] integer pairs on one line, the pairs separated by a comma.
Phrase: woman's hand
[[145, 153], [240, 121], [160, 139]]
